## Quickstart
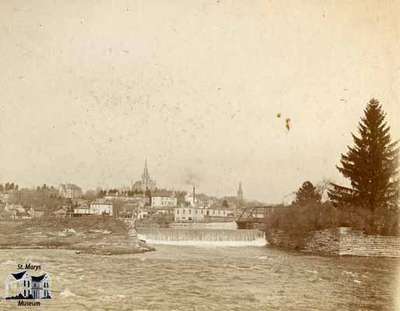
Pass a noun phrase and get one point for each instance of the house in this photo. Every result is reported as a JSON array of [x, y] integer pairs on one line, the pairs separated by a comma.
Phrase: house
[[21, 285], [164, 199], [101, 207], [41, 286], [17, 211], [129, 210], [82, 209], [70, 191], [36, 213], [18, 284], [14, 207], [142, 214]]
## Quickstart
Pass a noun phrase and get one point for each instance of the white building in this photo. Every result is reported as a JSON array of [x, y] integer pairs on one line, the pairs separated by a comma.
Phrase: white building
[[23, 285], [189, 214], [199, 214], [18, 284], [163, 202], [83, 209], [101, 207], [41, 286], [219, 212], [191, 197]]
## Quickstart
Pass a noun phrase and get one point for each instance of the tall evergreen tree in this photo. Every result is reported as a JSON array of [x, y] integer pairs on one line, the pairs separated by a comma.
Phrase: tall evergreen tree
[[371, 165], [307, 194]]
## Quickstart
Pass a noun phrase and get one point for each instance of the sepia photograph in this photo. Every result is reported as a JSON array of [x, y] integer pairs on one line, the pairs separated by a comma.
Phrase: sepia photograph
[[200, 155]]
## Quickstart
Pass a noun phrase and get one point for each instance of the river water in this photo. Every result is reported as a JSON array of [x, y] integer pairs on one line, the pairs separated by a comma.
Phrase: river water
[[209, 278]]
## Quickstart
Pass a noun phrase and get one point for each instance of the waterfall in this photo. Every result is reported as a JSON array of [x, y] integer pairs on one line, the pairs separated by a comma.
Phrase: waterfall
[[217, 237]]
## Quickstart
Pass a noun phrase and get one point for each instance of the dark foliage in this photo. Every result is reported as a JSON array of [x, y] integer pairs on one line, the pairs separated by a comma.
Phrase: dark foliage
[[371, 165], [307, 194]]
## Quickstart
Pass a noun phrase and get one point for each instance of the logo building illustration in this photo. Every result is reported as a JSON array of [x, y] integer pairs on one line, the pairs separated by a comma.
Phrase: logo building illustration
[[22, 285]]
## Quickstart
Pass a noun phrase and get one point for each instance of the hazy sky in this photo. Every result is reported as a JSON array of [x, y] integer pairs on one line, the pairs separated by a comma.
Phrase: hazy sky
[[88, 89]]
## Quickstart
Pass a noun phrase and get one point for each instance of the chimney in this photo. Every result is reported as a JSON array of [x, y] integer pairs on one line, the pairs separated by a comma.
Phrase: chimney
[[194, 195]]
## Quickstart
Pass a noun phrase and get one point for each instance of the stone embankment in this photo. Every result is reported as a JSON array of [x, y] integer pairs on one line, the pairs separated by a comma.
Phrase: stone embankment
[[338, 242]]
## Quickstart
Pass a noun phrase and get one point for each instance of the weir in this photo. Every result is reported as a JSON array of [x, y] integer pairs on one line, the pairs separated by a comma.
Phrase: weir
[[217, 237]]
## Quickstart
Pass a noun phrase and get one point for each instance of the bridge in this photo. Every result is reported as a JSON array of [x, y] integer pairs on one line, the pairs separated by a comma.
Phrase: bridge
[[255, 217]]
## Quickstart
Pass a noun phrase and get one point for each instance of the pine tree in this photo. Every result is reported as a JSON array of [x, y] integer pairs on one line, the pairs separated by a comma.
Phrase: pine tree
[[371, 165], [307, 194]]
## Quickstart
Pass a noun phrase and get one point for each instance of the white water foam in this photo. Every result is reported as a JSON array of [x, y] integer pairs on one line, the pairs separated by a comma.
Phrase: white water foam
[[203, 237], [257, 242]]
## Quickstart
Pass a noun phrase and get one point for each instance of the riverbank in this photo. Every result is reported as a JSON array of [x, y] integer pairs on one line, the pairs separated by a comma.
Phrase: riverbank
[[341, 241], [93, 235]]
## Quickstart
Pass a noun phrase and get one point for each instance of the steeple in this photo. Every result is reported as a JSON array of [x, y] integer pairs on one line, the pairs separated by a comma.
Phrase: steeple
[[240, 193], [145, 175]]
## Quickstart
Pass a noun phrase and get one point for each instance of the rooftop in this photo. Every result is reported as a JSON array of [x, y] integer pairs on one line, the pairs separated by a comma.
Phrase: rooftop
[[18, 275]]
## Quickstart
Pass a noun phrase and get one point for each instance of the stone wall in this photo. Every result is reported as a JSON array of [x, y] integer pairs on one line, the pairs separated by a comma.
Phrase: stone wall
[[325, 242], [358, 244], [339, 241]]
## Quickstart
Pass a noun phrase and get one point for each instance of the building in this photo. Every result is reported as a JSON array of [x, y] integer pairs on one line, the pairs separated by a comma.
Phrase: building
[[190, 198], [101, 207], [189, 214], [202, 214], [22, 285], [164, 199], [219, 214], [17, 212], [142, 214], [37, 212], [41, 286], [70, 191], [97, 207], [82, 209], [146, 182]]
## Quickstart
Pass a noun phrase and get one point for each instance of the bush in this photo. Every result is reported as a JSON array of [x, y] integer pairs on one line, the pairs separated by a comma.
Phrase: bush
[[300, 220]]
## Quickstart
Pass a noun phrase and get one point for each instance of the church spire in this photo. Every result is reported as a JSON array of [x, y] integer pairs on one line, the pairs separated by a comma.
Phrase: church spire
[[240, 193], [146, 175], [146, 170]]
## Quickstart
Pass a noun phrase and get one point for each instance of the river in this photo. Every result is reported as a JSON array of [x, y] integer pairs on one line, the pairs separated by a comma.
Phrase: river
[[209, 278]]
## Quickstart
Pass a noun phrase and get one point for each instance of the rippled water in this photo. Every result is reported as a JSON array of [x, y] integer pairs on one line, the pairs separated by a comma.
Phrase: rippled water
[[198, 278]]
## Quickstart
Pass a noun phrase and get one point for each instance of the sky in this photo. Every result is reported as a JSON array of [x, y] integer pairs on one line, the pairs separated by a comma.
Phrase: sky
[[89, 89]]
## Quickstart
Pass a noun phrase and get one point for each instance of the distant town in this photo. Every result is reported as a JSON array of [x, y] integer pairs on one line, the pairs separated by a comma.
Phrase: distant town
[[143, 200]]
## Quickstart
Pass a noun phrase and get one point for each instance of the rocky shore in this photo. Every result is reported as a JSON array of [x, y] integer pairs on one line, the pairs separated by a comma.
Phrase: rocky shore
[[94, 235]]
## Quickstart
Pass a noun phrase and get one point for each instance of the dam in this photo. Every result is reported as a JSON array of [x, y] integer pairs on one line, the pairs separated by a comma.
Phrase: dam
[[202, 236]]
